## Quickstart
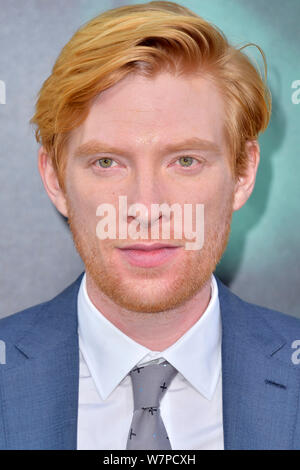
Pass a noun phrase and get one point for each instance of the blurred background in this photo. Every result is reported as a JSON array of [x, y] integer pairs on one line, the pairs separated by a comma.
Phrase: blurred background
[[38, 259]]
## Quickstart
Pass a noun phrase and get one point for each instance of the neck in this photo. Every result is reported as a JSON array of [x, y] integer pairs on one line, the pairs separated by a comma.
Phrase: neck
[[156, 331]]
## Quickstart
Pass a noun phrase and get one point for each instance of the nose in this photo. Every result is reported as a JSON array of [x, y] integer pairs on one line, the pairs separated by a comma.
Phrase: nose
[[146, 193]]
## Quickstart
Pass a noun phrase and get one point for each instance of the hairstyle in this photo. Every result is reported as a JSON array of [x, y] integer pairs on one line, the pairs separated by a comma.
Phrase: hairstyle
[[146, 39]]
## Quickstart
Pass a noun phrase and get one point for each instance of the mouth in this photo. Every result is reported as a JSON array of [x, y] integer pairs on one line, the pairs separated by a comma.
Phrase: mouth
[[148, 256]]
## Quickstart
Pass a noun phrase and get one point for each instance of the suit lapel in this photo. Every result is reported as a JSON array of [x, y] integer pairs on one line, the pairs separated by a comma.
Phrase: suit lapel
[[39, 392], [39, 383], [260, 384]]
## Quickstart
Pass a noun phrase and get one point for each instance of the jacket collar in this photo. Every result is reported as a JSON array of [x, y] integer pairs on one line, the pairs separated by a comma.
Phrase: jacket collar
[[260, 383], [260, 386], [39, 382]]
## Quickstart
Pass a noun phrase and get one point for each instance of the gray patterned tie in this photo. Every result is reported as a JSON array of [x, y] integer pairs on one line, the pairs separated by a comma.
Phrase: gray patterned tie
[[147, 430]]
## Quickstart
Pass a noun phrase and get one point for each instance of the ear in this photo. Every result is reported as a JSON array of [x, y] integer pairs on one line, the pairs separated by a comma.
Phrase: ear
[[245, 184], [50, 180]]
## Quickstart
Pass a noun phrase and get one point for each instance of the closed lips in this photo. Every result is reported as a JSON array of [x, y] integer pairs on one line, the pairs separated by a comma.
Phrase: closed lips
[[147, 247]]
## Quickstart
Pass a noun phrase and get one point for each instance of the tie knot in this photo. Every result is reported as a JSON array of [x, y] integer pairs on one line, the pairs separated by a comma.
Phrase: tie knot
[[150, 383]]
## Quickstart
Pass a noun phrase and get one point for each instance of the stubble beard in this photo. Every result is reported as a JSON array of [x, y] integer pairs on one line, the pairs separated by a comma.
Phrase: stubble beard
[[135, 294]]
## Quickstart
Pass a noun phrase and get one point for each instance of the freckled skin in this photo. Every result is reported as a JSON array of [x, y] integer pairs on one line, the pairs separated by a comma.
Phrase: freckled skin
[[154, 306]]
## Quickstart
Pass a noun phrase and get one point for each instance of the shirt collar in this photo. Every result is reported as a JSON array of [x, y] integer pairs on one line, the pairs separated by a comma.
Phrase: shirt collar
[[110, 354]]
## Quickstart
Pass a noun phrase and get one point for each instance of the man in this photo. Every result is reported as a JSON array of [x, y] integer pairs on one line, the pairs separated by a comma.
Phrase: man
[[148, 349]]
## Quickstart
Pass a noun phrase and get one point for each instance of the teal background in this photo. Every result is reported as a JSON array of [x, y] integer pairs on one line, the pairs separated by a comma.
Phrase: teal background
[[261, 263]]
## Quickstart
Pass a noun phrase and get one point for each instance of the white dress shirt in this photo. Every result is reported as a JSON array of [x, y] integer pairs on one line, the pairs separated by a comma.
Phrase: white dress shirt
[[191, 408]]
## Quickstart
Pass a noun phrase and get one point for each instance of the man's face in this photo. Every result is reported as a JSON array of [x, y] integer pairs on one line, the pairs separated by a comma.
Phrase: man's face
[[141, 117]]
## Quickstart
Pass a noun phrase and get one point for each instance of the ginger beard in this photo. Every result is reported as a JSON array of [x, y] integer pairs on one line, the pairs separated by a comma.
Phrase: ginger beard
[[143, 290]]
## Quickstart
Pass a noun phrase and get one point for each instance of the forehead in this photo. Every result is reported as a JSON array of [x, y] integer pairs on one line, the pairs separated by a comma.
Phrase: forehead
[[153, 111]]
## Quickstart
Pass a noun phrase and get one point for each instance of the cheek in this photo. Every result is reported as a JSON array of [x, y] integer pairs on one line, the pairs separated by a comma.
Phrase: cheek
[[81, 195], [218, 197], [82, 205]]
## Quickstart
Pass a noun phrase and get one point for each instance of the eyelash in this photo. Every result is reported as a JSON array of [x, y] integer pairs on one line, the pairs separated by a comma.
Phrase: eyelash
[[184, 156]]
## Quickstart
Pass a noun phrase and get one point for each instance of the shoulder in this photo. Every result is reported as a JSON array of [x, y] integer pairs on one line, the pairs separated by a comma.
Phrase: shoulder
[[256, 317], [13, 327]]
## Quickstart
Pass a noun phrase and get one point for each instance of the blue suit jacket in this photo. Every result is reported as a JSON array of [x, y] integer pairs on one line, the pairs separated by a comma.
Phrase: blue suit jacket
[[39, 382]]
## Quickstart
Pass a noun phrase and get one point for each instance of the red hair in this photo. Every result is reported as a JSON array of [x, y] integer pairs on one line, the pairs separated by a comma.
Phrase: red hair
[[146, 39]]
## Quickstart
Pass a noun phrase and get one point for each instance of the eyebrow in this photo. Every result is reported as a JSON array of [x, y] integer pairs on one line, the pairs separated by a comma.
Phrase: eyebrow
[[94, 147]]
